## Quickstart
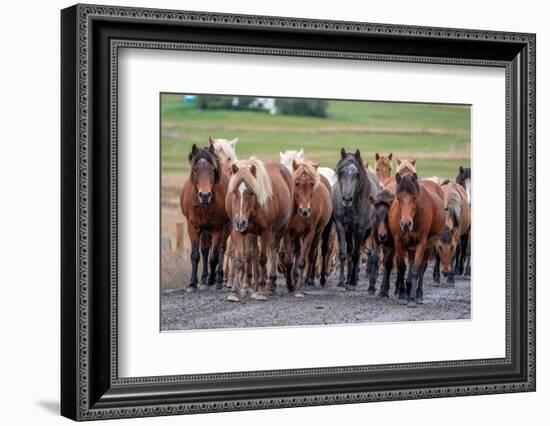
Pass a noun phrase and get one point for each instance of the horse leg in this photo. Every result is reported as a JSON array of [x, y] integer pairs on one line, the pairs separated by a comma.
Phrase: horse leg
[[374, 260], [222, 247], [287, 266], [265, 244], [194, 236], [423, 267], [416, 268], [388, 265], [342, 253], [307, 246], [226, 263], [463, 252], [401, 267], [215, 257], [238, 255], [274, 249], [325, 241], [437, 271], [311, 263], [359, 238], [454, 266], [206, 243], [467, 269], [252, 241]]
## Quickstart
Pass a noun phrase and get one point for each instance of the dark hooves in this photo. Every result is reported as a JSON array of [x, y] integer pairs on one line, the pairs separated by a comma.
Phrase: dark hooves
[[350, 287], [340, 284], [412, 303], [371, 290], [383, 294], [191, 289]]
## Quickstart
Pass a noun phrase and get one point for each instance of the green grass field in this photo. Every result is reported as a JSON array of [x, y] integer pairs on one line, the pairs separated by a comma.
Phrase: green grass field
[[437, 135]]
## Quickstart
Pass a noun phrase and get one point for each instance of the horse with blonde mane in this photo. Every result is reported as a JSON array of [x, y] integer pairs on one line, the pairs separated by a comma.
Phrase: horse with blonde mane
[[312, 212], [449, 251], [383, 170], [259, 202], [289, 156], [225, 150]]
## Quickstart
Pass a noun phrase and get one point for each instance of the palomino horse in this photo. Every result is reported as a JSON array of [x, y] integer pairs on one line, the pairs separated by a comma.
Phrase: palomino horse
[[406, 167], [259, 202], [417, 219], [352, 210], [312, 212], [289, 156], [225, 149], [457, 228], [202, 202], [464, 179], [381, 234]]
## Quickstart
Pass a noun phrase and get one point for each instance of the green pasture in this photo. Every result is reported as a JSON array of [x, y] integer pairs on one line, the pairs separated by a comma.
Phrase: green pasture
[[437, 135]]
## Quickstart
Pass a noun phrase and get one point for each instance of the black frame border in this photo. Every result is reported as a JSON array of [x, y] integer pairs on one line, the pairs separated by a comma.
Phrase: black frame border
[[90, 387]]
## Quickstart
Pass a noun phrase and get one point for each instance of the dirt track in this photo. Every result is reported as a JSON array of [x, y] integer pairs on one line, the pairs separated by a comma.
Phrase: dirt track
[[331, 305]]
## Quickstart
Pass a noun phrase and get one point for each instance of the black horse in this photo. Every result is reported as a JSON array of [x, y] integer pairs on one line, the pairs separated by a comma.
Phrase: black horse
[[351, 212]]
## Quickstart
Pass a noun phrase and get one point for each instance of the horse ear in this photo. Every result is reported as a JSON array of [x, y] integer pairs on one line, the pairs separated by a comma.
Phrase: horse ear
[[377, 157], [343, 152], [193, 152], [211, 140], [413, 162], [357, 154], [397, 178], [414, 177], [461, 169], [316, 165], [234, 169], [295, 165], [234, 142], [390, 156], [301, 153], [211, 149], [253, 170], [398, 162]]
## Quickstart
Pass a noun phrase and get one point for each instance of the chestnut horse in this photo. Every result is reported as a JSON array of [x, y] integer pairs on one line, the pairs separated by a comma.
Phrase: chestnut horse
[[259, 202], [457, 228], [383, 169], [202, 202], [312, 211], [382, 236], [417, 219]]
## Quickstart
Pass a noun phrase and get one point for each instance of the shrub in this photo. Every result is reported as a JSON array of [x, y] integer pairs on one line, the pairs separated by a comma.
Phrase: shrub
[[309, 107]]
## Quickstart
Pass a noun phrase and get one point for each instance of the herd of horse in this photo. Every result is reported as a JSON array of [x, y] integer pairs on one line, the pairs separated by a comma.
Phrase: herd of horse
[[251, 220]]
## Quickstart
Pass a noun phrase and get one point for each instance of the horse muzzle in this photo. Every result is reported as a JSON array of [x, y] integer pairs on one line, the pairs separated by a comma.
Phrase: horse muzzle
[[305, 212], [406, 226], [347, 201], [241, 224], [205, 197], [382, 238]]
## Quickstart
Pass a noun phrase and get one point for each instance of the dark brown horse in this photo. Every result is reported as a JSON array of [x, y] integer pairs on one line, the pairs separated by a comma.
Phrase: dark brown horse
[[259, 202], [312, 212], [383, 239], [202, 202], [417, 219]]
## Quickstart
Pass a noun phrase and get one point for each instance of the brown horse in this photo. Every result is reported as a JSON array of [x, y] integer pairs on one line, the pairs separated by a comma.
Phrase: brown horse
[[259, 202], [384, 170], [457, 229], [417, 219], [312, 212], [202, 202]]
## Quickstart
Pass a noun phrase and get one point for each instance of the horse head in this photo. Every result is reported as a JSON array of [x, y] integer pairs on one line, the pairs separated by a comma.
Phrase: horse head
[[406, 167], [306, 179], [380, 216], [407, 192], [225, 149], [383, 166], [205, 171], [286, 158], [350, 174], [464, 179], [446, 248]]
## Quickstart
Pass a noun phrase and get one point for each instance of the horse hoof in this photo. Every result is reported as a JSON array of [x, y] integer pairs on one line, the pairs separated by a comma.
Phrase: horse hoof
[[233, 297], [383, 294], [340, 284], [411, 304], [350, 287], [219, 286], [259, 296], [191, 289], [402, 301], [299, 295], [371, 290], [419, 300], [203, 287]]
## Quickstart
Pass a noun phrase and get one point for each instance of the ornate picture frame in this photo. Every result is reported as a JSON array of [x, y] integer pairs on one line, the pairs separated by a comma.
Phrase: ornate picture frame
[[90, 39]]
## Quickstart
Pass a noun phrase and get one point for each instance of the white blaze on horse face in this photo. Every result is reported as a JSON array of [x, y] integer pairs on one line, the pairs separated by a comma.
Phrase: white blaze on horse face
[[242, 188], [468, 186]]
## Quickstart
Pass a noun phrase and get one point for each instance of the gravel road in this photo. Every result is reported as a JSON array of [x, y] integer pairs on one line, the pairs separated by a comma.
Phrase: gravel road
[[330, 305]]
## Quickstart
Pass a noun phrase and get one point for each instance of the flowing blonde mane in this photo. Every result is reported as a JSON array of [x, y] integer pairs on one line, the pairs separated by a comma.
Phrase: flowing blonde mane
[[227, 148], [309, 169], [406, 167], [289, 156], [454, 204], [259, 184]]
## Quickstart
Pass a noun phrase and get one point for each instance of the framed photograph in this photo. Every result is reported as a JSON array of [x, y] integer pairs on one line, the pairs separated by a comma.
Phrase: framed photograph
[[263, 212]]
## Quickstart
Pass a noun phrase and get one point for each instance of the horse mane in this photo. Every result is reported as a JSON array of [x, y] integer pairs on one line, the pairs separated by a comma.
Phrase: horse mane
[[351, 158], [384, 196], [408, 184], [373, 180], [289, 156], [225, 146], [211, 157], [406, 166], [309, 169], [455, 205], [259, 184]]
